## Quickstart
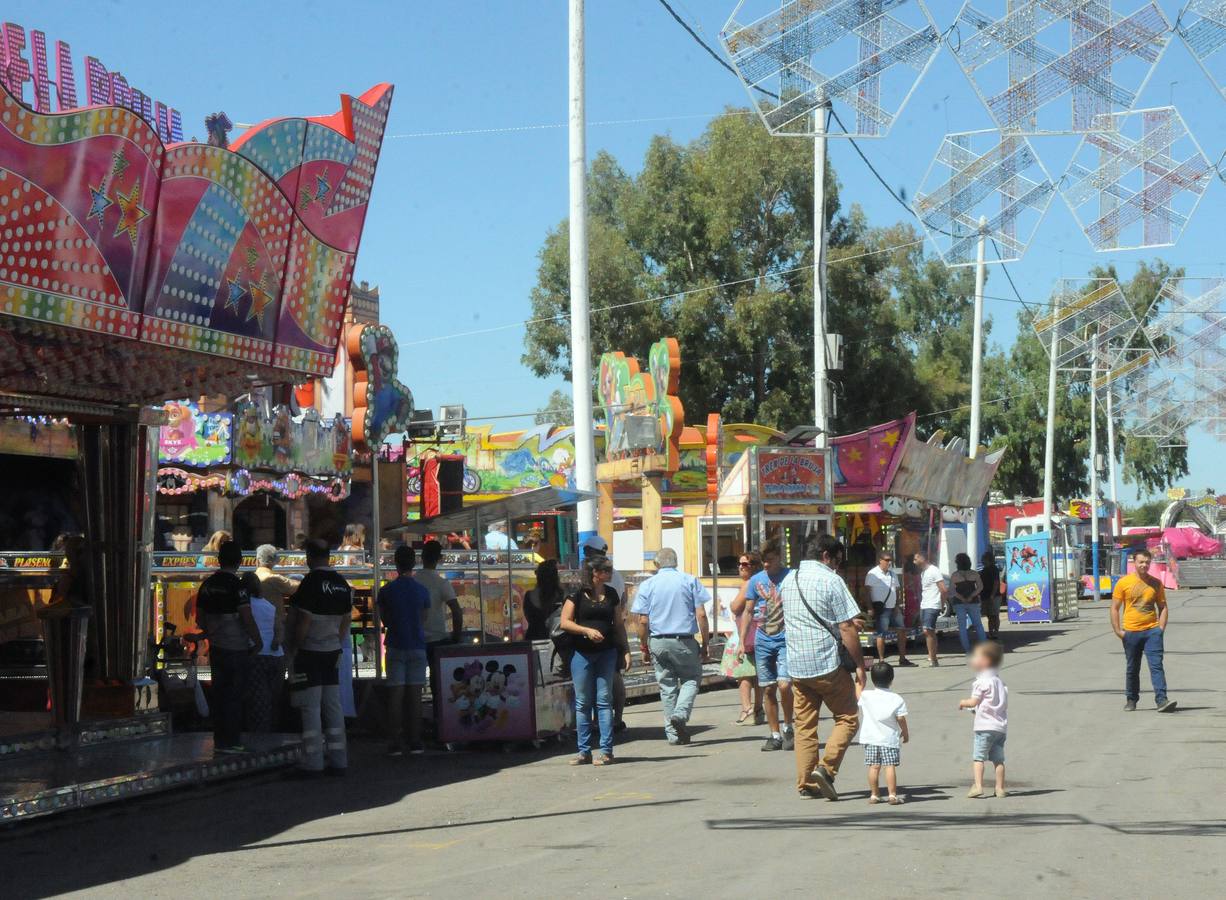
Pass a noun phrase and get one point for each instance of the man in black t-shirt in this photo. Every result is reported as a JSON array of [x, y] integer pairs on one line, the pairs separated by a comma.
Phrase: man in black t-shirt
[[223, 613], [319, 621]]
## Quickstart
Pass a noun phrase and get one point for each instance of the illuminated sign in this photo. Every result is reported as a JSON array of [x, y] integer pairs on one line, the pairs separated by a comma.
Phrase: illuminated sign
[[102, 87]]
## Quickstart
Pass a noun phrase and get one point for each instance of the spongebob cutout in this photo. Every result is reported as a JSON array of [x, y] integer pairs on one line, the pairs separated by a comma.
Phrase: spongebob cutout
[[627, 392]]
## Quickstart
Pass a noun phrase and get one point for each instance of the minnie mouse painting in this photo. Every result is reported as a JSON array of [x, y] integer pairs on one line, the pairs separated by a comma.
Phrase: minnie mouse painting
[[485, 700]]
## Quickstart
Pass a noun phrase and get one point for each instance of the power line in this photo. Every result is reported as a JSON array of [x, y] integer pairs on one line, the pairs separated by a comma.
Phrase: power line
[[509, 129], [661, 298], [715, 56]]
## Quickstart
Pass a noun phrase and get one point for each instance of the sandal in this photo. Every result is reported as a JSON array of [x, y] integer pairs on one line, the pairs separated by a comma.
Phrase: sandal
[[582, 759], [895, 800], [604, 759], [873, 800], [745, 714]]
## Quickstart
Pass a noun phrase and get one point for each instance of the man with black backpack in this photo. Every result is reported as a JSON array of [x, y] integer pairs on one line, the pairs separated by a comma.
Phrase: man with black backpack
[[823, 643]]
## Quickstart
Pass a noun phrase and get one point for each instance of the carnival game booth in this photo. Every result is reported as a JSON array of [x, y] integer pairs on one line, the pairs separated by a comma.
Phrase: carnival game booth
[[264, 477], [894, 491], [495, 686], [135, 273]]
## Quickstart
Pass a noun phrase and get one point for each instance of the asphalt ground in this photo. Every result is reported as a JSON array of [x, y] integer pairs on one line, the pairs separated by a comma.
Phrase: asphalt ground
[[1103, 803]]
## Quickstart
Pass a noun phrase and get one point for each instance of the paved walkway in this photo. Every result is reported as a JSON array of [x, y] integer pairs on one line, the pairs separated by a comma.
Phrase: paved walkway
[[1104, 804]]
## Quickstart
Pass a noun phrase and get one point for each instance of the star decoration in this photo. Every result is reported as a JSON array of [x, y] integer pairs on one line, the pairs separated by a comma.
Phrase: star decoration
[[855, 454], [236, 295], [98, 204], [131, 214], [260, 298], [891, 438], [119, 163], [322, 188], [253, 257], [882, 461]]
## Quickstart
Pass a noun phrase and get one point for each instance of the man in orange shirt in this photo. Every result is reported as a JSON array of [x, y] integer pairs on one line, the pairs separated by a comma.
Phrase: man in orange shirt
[[1138, 618]]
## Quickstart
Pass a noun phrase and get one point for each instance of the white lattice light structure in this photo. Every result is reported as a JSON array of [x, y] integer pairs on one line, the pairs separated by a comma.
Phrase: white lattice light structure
[[1052, 67], [1136, 181], [1202, 27], [1088, 314], [864, 57], [1187, 321], [980, 175]]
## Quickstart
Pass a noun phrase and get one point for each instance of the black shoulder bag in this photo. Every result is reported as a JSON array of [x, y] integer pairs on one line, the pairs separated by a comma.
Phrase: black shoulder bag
[[846, 662]]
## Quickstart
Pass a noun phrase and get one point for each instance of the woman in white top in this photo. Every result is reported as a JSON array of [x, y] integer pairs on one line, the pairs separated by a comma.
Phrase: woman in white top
[[266, 676]]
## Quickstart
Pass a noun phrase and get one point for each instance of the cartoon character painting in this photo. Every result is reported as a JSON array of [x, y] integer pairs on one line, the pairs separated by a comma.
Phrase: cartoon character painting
[[282, 439], [485, 700], [250, 438], [178, 435]]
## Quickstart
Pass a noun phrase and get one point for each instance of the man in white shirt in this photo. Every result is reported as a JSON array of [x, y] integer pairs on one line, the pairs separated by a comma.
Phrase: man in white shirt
[[932, 598], [496, 537], [885, 593]]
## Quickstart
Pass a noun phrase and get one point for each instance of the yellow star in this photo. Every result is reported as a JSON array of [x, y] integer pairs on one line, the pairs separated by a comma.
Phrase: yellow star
[[131, 214], [891, 438], [855, 454], [260, 298]]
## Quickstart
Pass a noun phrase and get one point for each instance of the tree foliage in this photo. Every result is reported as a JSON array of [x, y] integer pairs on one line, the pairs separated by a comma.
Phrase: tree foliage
[[712, 242], [1018, 421]]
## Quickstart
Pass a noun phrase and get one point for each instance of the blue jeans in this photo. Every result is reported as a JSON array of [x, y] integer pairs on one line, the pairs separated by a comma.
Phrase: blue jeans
[[1148, 642], [593, 679], [678, 666], [969, 614]]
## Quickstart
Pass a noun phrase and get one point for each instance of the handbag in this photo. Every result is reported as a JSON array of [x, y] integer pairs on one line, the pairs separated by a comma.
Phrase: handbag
[[846, 662]]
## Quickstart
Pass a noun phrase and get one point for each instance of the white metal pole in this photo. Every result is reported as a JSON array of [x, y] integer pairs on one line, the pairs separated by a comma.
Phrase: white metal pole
[[1112, 471], [580, 339], [1094, 466], [972, 530], [821, 387], [376, 574], [1049, 450]]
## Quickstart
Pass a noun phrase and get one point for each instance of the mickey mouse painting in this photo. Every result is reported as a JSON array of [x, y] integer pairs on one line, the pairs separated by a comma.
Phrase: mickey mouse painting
[[485, 699]]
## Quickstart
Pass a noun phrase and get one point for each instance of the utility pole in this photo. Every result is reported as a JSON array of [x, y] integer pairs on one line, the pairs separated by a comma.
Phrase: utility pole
[[1049, 449], [1112, 472], [1094, 463], [981, 274], [821, 383], [580, 338]]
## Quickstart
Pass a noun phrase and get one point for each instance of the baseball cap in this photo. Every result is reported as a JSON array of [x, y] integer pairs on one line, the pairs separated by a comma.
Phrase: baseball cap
[[596, 542]]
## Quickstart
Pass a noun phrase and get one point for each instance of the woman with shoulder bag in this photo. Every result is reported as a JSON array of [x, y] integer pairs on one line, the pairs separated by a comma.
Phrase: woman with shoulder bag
[[591, 616], [966, 590], [989, 599], [737, 662]]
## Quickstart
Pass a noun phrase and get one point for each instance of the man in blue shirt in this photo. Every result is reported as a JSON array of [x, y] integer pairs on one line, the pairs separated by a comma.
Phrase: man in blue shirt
[[402, 607], [670, 611], [770, 645]]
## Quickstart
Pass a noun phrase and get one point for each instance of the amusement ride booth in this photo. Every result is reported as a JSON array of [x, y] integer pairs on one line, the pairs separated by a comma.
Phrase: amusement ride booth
[[138, 271]]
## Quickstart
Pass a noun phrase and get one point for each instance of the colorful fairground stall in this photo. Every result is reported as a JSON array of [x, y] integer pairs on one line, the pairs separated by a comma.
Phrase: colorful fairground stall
[[257, 475], [137, 272]]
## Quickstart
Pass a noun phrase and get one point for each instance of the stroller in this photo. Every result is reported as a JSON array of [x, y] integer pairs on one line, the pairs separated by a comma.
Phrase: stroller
[[175, 671]]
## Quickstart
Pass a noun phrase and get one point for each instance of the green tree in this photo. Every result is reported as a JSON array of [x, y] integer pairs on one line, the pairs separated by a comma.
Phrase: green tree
[[560, 410], [712, 242], [1015, 386]]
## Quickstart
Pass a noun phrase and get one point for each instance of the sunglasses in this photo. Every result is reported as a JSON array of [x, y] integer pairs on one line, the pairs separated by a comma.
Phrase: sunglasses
[[743, 564]]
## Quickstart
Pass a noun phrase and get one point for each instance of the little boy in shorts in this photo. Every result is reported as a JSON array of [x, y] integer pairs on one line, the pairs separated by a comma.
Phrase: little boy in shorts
[[990, 700], [883, 730]]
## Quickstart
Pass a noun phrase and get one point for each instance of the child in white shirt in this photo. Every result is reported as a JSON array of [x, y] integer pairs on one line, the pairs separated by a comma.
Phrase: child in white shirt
[[990, 701], [883, 730]]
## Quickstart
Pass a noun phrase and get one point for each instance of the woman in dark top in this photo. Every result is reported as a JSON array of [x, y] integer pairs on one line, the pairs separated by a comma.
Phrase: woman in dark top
[[542, 600], [599, 634], [989, 596], [966, 590]]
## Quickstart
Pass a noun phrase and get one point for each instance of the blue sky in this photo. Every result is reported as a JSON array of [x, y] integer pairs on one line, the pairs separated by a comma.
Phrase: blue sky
[[457, 220]]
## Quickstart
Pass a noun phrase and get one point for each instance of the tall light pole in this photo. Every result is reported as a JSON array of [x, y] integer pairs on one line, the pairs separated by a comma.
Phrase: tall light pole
[[580, 338], [1049, 447], [821, 366], [1112, 471], [972, 530], [1094, 464]]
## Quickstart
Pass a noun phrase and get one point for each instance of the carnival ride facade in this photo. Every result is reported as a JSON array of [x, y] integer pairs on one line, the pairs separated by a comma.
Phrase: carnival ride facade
[[133, 273]]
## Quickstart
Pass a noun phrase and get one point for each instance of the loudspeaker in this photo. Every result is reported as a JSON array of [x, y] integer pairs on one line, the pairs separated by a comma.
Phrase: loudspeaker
[[442, 485]]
